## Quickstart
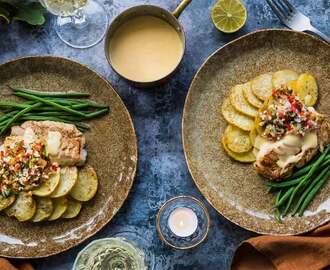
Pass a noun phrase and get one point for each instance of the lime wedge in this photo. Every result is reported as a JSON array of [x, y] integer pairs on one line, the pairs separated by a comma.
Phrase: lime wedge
[[228, 15]]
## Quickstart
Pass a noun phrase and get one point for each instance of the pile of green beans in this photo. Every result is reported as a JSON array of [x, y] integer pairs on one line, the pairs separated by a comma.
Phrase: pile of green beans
[[295, 194], [68, 107]]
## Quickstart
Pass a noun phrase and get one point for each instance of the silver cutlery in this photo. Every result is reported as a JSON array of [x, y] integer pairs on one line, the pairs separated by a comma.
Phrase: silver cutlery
[[293, 18]]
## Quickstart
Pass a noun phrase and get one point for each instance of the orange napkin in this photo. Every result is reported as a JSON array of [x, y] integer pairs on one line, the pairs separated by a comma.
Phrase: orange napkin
[[305, 252], [6, 265]]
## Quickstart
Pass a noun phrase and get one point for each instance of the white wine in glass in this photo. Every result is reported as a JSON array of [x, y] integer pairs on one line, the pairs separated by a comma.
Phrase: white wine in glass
[[79, 23]]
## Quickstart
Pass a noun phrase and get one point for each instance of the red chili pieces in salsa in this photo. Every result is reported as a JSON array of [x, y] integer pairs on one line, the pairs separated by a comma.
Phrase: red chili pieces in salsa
[[286, 114]]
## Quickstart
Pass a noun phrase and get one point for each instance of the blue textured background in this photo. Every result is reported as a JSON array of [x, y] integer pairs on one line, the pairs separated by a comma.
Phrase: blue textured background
[[162, 171]]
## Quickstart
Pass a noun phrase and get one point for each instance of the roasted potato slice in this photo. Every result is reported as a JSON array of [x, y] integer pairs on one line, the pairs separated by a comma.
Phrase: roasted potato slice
[[236, 118], [73, 209], [283, 77], [252, 98], [246, 157], [44, 209], [86, 185], [23, 208], [307, 89], [59, 205], [262, 86], [6, 201], [237, 139], [292, 85], [68, 178], [47, 187], [253, 134], [239, 102]]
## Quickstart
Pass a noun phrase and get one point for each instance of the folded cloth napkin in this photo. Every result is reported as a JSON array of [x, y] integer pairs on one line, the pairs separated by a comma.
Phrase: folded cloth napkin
[[306, 252], [6, 265]]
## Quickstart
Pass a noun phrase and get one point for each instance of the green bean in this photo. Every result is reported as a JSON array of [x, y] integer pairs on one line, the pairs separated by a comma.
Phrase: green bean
[[308, 190], [80, 106], [50, 118], [49, 94], [284, 197], [306, 178], [4, 122], [13, 105], [278, 196], [277, 210], [97, 113], [313, 193], [51, 103], [285, 183], [8, 115], [18, 115], [52, 113]]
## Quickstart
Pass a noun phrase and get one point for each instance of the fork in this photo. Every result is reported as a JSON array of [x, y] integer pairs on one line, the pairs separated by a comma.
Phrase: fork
[[293, 18]]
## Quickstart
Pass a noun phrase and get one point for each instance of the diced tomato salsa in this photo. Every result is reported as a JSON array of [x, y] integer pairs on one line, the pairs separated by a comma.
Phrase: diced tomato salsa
[[285, 114], [23, 167]]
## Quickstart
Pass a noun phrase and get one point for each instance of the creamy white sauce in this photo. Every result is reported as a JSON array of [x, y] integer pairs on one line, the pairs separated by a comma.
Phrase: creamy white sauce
[[290, 149], [53, 142]]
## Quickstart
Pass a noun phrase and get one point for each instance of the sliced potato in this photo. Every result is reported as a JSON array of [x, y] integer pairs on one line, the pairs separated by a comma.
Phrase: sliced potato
[[6, 202], [292, 85], [246, 157], [68, 178], [236, 118], [86, 185], [23, 208], [283, 77], [253, 134], [44, 209], [47, 187], [307, 89], [262, 86], [73, 209], [239, 102], [237, 139], [252, 98], [59, 207]]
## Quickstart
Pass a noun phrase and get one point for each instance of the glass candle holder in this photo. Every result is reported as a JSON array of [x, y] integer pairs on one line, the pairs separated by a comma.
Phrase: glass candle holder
[[183, 222]]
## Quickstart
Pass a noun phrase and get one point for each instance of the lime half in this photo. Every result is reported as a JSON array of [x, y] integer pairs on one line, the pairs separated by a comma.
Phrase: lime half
[[228, 15]]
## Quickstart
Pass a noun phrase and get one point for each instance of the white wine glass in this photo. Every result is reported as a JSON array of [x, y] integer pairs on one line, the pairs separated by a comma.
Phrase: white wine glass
[[79, 23]]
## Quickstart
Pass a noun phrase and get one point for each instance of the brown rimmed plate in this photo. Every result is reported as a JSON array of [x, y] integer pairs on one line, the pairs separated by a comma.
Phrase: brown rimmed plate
[[112, 151], [234, 189]]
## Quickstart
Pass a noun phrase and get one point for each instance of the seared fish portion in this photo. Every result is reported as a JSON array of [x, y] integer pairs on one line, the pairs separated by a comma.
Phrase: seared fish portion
[[270, 165], [64, 142]]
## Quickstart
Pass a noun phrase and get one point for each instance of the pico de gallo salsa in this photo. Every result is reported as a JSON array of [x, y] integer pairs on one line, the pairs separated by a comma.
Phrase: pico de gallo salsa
[[23, 166], [286, 114]]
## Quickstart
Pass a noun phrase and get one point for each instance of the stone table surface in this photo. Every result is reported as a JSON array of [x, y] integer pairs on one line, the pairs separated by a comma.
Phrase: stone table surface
[[162, 171]]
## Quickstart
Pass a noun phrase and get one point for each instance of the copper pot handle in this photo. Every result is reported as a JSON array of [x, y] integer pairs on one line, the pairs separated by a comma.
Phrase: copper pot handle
[[177, 12]]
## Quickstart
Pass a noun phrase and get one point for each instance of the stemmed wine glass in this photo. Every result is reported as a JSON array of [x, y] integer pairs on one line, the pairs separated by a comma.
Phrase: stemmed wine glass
[[79, 23]]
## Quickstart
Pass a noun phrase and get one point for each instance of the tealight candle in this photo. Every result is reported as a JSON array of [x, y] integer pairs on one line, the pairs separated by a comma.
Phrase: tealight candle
[[183, 221]]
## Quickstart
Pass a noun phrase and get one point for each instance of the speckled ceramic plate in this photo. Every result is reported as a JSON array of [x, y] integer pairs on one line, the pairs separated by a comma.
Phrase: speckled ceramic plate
[[235, 189], [112, 151]]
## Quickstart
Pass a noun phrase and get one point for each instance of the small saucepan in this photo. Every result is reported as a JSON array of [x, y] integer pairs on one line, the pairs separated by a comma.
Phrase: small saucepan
[[145, 44]]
